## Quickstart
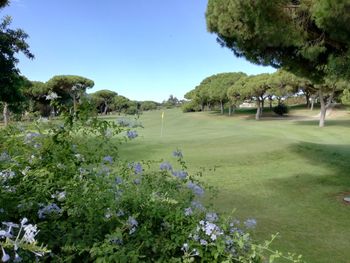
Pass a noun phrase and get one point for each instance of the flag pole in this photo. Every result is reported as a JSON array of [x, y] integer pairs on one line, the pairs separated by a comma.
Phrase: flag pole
[[161, 128]]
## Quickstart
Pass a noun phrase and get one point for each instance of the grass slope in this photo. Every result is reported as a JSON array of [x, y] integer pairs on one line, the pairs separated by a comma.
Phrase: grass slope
[[288, 174]]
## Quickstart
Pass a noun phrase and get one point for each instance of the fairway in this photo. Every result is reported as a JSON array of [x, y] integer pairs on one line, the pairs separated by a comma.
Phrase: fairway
[[288, 174]]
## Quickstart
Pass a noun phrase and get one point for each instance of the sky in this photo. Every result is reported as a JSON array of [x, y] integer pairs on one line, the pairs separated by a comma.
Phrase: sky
[[143, 50]]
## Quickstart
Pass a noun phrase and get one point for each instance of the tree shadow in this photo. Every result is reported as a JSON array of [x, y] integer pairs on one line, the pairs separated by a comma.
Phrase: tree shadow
[[330, 123]]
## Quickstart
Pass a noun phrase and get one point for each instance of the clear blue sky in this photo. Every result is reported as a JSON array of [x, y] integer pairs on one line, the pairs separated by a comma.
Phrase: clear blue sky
[[144, 50]]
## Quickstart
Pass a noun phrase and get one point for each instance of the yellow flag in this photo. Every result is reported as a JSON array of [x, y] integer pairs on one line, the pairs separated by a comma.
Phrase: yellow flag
[[163, 115]]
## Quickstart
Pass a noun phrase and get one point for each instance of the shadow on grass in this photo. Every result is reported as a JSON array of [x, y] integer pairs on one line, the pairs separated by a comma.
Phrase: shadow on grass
[[343, 123], [336, 155]]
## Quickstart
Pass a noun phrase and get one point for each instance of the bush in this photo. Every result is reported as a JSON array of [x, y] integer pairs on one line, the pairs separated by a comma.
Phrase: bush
[[190, 107], [281, 109], [91, 206]]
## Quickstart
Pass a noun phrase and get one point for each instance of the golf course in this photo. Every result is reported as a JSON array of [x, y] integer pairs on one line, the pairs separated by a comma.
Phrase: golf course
[[287, 173]]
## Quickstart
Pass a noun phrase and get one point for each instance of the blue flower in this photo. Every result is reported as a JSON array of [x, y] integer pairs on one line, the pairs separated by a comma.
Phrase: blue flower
[[137, 168], [120, 213], [165, 166], [17, 258], [250, 223], [104, 170], [131, 134], [180, 174], [188, 211], [177, 153], [4, 157], [48, 210], [197, 205], [132, 221], [123, 122], [108, 159], [116, 241], [132, 224], [30, 137], [118, 180], [210, 229], [185, 247], [195, 188], [211, 217], [5, 257], [203, 242], [137, 181]]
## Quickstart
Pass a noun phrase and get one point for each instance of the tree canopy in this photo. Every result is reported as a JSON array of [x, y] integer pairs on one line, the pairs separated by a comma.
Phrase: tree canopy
[[309, 38], [104, 99], [69, 87], [3, 3]]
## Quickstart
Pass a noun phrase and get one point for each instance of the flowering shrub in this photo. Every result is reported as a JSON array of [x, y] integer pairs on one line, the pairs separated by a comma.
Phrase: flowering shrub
[[23, 240], [91, 206]]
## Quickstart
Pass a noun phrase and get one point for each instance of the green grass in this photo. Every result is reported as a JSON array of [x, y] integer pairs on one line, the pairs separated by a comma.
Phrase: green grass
[[288, 174]]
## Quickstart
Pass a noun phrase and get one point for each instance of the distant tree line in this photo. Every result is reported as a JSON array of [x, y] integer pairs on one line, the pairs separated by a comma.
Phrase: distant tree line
[[35, 98], [232, 89]]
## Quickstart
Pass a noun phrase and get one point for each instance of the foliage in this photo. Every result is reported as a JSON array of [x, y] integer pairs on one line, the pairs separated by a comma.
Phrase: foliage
[[103, 99], [171, 102], [345, 99], [148, 105], [69, 88], [67, 178], [3, 3], [213, 90], [120, 103], [20, 238], [190, 106], [11, 43], [281, 109], [309, 38]]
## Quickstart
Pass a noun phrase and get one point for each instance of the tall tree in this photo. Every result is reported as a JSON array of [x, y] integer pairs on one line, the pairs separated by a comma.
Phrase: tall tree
[[219, 84], [282, 84], [120, 103], [12, 42], [253, 88], [69, 87], [308, 38], [37, 98], [104, 98]]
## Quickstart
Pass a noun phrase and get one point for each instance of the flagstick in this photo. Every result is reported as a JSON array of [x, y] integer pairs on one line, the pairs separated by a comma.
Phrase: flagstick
[[161, 128]]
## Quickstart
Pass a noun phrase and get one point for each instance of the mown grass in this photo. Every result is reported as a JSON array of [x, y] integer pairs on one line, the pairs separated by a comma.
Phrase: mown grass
[[290, 175]]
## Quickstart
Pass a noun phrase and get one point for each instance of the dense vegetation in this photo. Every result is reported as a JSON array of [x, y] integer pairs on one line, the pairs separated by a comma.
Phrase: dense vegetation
[[67, 193]]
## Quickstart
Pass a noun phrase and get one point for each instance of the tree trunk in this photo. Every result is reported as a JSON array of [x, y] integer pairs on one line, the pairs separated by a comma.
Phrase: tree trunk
[[307, 97], [258, 110], [6, 114], [323, 110], [270, 102], [262, 106], [222, 107], [106, 109], [229, 110], [208, 106], [312, 103], [202, 107]]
